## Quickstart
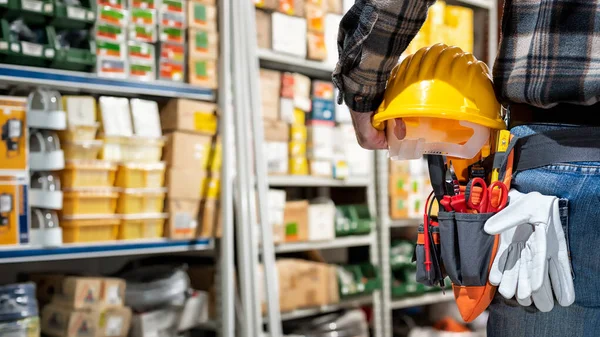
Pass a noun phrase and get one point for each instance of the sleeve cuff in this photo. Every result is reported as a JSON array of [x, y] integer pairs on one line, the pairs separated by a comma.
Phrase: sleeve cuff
[[356, 99]]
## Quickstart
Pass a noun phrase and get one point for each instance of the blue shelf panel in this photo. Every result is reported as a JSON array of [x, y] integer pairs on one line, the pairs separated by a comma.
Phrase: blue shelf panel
[[116, 248], [88, 82]]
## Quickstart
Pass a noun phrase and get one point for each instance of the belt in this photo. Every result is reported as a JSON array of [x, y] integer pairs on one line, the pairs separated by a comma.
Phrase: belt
[[588, 115], [577, 144]]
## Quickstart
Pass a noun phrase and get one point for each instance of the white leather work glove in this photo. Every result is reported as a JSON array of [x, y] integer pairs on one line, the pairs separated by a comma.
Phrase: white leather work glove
[[558, 278], [520, 226], [536, 279]]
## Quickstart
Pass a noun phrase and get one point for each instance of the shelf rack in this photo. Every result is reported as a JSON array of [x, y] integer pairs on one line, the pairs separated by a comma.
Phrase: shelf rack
[[96, 250], [344, 304], [343, 242], [416, 301], [91, 83], [310, 181]]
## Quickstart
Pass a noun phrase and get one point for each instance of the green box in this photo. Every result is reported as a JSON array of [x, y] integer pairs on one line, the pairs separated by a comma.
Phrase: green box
[[77, 17], [79, 59], [31, 11], [15, 51]]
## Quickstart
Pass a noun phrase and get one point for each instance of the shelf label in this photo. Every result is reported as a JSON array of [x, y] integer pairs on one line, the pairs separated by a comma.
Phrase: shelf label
[[49, 53], [32, 49], [32, 5], [3, 1], [76, 13], [48, 8], [3, 45]]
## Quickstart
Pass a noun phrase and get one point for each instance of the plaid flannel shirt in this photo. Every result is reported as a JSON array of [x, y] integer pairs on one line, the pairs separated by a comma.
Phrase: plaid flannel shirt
[[549, 52]]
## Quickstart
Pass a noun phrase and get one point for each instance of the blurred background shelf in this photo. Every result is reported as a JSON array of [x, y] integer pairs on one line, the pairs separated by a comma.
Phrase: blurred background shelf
[[343, 242], [403, 223], [421, 300], [344, 304], [310, 181], [95, 250], [279, 61]]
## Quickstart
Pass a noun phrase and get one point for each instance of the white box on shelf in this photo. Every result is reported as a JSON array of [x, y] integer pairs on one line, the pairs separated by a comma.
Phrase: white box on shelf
[[286, 110], [321, 220], [320, 142], [276, 199], [332, 25], [50, 120], [342, 112], [277, 157], [47, 161], [45, 199], [289, 34]]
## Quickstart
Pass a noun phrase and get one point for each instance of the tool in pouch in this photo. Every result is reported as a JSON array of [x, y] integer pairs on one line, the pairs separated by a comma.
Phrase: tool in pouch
[[447, 115]]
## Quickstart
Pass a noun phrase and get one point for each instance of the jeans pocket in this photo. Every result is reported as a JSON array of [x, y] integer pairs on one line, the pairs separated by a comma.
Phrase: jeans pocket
[[449, 246], [475, 248], [563, 206]]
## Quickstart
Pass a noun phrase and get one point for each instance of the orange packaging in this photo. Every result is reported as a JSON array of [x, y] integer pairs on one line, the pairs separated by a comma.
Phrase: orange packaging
[[315, 18], [322, 90], [14, 217], [13, 130], [316, 46]]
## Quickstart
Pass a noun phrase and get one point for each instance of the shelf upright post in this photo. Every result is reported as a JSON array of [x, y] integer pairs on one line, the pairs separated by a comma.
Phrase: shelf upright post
[[377, 260], [250, 327], [225, 268], [260, 169], [383, 223]]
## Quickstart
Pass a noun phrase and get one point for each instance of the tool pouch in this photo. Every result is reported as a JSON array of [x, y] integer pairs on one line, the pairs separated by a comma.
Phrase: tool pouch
[[467, 253], [434, 275]]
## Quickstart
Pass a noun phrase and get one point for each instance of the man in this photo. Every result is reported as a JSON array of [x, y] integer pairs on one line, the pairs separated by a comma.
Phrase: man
[[547, 73]]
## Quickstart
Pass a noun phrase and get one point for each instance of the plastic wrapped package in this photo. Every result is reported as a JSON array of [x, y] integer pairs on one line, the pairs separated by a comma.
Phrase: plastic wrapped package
[[45, 153], [96, 229], [18, 302], [45, 190], [155, 286], [45, 229], [45, 110], [28, 327]]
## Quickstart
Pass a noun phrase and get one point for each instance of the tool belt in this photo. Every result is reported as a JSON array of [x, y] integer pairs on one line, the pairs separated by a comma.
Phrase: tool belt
[[520, 114], [454, 244]]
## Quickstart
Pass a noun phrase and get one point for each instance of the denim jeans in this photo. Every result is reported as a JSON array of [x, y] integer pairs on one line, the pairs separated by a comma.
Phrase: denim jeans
[[580, 184]]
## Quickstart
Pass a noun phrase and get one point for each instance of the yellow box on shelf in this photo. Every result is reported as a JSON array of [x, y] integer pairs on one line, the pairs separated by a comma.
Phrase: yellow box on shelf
[[82, 150], [86, 229], [79, 133], [132, 149], [88, 173], [142, 175], [136, 226], [298, 166], [297, 149], [211, 187], [141, 200], [86, 201]]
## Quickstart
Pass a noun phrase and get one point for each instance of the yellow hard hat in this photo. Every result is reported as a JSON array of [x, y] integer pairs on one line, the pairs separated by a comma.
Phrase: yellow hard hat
[[446, 91]]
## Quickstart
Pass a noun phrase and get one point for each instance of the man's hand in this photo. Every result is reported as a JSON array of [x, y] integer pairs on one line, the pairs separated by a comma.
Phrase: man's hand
[[370, 138]]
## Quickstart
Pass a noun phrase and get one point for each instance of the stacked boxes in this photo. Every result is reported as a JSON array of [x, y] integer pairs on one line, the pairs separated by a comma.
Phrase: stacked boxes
[[315, 22], [84, 306], [452, 25], [276, 131], [321, 126], [203, 43], [14, 212], [172, 21], [408, 188], [192, 153], [111, 40], [142, 34], [295, 102]]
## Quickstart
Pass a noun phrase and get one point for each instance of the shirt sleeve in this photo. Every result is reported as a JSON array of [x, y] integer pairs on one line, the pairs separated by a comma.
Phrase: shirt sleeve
[[371, 37]]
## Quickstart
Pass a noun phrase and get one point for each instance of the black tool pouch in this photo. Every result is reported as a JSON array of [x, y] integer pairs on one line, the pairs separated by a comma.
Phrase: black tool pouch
[[466, 249]]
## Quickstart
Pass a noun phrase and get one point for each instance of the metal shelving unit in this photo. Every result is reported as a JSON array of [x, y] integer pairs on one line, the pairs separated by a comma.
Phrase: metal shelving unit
[[91, 83], [343, 242], [421, 300], [310, 181], [96, 250], [403, 223], [344, 304], [279, 61]]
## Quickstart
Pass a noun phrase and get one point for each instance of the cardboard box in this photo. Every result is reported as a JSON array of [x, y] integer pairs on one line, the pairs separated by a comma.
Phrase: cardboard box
[[296, 220], [313, 284], [399, 184], [302, 84], [184, 183], [79, 292], [321, 168], [201, 15], [320, 142], [189, 115], [287, 110], [209, 219], [398, 207], [298, 166], [298, 133], [276, 131], [14, 206], [323, 90], [289, 35], [276, 205], [47, 285], [291, 7], [316, 46], [161, 322], [59, 321], [321, 221], [335, 7], [203, 43], [112, 292], [458, 27], [299, 117], [286, 282], [315, 18], [170, 70], [263, 28], [277, 157], [287, 85], [266, 4], [183, 218], [13, 128], [323, 110], [203, 73], [187, 151], [270, 85]]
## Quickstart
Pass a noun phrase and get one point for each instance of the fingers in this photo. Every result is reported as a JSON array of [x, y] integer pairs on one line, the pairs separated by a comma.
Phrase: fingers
[[562, 283], [368, 137], [543, 298], [510, 276], [538, 266], [524, 286], [399, 128]]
